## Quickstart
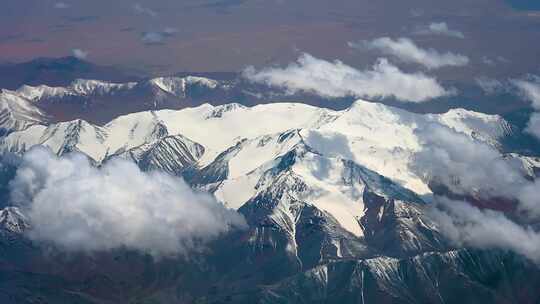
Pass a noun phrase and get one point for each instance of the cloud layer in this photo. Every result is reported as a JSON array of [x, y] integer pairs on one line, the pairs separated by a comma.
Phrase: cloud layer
[[79, 207], [336, 79], [407, 51]]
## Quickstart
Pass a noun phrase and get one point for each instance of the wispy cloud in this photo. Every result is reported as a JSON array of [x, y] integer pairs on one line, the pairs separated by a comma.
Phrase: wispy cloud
[[79, 207], [151, 38], [144, 10], [439, 28], [493, 61], [407, 51], [491, 86], [336, 79], [158, 37], [61, 5]]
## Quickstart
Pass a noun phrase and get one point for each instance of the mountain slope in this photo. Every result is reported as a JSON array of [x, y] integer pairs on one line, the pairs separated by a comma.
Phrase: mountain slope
[[18, 113], [462, 276]]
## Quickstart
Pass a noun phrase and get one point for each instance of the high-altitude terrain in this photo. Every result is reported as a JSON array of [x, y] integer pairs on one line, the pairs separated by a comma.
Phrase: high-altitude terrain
[[335, 211]]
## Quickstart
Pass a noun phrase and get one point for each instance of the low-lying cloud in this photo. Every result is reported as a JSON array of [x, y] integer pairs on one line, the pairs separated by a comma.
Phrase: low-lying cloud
[[467, 225], [463, 164], [530, 90], [439, 28], [336, 79], [527, 88], [473, 168], [79, 54], [79, 207], [407, 51]]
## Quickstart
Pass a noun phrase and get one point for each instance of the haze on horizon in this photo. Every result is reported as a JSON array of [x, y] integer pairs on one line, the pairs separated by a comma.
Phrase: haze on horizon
[[165, 36]]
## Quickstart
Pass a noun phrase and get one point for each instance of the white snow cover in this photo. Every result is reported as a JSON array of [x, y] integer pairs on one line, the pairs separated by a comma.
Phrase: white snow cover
[[79, 87], [378, 137], [176, 86], [18, 113]]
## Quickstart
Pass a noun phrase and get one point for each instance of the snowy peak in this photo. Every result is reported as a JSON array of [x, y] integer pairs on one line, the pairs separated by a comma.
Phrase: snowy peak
[[79, 87], [77, 135], [173, 85], [179, 86], [95, 87], [17, 113], [13, 220], [171, 154]]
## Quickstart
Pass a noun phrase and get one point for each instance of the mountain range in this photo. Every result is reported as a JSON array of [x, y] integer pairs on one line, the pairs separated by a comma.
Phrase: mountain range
[[335, 213]]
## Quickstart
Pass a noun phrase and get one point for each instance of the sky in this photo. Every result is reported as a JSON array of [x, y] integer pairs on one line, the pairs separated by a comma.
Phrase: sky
[[167, 36]]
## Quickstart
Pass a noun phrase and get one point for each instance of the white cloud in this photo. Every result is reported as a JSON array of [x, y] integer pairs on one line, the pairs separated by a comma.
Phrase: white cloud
[[439, 28], [529, 89], [494, 61], [79, 207], [466, 225], [491, 86], [533, 126], [336, 79], [144, 10], [153, 38], [170, 31], [61, 5], [462, 164], [473, 168], [80, 54], [407, 51], [158, 37]]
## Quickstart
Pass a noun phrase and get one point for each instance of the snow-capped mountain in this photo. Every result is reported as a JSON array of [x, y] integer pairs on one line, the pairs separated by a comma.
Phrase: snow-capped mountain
[[18, 113], [12, 220], [378, 137], [335, 213], [332, 158], [101, 101]]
